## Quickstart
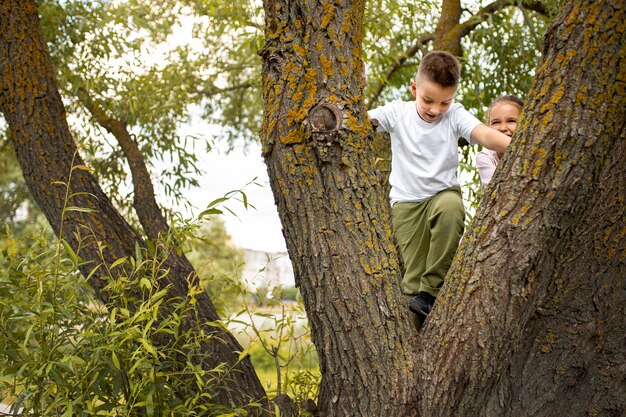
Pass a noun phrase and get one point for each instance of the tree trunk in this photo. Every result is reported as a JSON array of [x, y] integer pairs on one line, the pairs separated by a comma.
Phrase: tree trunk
[[531, 321], [58, 181], [533, 310], [447, 36], [316, 144]]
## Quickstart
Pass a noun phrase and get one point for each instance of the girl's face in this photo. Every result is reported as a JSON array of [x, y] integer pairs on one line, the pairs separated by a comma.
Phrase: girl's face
[[503, 117]]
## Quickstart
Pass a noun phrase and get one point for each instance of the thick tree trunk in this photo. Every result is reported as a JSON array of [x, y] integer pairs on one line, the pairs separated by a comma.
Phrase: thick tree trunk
[[335, 216], [531, 321], [534, 309], [52, 168]]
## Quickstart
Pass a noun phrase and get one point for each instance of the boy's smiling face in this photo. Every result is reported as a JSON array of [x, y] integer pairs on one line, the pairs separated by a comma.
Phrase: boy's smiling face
[[431, 99]]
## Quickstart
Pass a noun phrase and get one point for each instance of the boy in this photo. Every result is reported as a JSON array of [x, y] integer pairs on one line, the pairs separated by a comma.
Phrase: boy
[[427, 205]]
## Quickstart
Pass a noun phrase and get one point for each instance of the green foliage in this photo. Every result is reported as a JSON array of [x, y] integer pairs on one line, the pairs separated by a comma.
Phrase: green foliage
[[218, 264], [14, 195], [152, 66], [391, 28], [500, 54], [278, 339], [64, 352]]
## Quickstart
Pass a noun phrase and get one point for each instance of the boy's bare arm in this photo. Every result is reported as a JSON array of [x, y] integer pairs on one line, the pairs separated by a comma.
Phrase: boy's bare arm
[[490, 138]]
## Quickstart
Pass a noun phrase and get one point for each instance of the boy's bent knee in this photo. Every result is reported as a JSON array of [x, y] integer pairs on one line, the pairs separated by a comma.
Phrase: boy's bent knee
[[448, 203]]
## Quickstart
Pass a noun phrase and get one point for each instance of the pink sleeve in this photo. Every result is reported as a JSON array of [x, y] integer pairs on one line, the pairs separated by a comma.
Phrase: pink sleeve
[[486, 165]]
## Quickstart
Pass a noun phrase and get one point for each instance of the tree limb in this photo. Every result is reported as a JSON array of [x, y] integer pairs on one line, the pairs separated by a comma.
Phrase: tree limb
[[144, 202], [463, 29], [216, 90], [459, 31]]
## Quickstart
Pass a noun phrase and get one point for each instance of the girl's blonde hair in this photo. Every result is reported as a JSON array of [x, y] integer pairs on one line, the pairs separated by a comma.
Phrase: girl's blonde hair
[[514, 100]]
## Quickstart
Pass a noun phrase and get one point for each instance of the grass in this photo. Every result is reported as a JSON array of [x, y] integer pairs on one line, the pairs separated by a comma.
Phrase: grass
[[297, 383]]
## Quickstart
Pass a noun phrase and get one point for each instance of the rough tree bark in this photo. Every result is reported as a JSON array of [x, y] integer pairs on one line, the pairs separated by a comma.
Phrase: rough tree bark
[[334, 214], [534, 308], [45, 150], [531, 321]]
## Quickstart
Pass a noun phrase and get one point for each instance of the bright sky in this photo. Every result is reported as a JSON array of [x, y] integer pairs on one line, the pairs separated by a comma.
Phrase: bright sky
[[256, 228]]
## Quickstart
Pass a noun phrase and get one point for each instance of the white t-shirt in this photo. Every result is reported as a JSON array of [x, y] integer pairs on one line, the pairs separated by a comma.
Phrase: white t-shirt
[[425, 156]]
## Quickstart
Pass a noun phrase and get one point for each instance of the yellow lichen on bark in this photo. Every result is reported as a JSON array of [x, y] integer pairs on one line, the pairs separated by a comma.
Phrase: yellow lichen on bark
[[327, 67], [556, 98], [299, 50], [537, 168], [328, 14], [295, 135]]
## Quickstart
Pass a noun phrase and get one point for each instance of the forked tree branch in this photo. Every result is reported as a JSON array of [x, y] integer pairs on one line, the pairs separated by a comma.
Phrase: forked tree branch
[[458, 31]]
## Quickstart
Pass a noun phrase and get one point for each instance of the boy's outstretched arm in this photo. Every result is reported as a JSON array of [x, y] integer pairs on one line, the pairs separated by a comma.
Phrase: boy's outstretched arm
[[490, 138]]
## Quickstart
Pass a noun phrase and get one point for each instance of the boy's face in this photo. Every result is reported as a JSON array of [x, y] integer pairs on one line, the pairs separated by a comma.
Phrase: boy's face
[[431, 99]]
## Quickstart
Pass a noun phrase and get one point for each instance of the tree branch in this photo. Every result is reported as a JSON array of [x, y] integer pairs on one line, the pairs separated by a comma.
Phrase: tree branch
[[460, 30], [398, 63], [446, 38], [144, 202], [463, 29]]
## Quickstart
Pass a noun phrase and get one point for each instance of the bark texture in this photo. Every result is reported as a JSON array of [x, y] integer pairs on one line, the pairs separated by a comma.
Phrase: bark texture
[[447, 37], [316, 144], [57, 179], [533, 313]]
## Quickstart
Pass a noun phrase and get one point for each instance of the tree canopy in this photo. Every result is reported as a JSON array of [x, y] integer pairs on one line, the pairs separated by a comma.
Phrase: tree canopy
[[136, 71]]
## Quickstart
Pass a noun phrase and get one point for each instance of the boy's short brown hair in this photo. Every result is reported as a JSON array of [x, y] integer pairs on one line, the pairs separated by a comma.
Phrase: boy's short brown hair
[[440, 67]]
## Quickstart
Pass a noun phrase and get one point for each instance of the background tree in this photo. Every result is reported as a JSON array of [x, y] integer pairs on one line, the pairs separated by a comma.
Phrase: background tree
[[533, 310], [78, 209]]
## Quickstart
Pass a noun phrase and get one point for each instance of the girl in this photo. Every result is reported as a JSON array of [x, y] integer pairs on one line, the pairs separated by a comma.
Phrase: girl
[[502, 115]]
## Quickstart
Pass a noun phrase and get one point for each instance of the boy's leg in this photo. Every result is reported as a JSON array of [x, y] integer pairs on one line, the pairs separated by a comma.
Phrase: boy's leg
[[445, 214], [412, 233]]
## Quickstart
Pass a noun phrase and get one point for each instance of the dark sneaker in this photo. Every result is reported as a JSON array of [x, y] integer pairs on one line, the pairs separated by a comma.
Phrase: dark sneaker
[[422, 303]]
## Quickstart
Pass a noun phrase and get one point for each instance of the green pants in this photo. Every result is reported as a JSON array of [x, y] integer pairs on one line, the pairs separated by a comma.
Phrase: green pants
[[428, 234]]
